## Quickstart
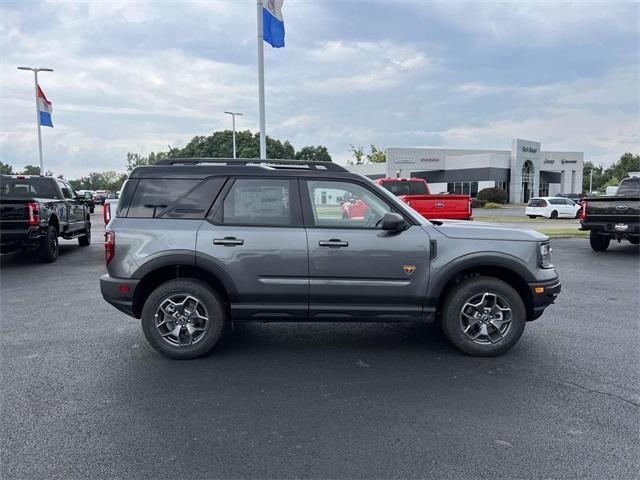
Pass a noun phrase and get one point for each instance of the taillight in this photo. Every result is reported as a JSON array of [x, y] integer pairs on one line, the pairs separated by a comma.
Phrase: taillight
[[469, 208], [34, 214], [106, 213], [583, 210], [109, 245]]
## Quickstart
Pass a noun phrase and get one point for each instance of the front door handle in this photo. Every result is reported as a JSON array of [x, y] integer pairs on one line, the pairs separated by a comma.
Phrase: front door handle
[[334, 242], [228, 241]]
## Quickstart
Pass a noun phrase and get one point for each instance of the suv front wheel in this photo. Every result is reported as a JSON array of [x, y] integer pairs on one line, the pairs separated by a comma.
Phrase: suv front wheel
[[483, 316], [183, 318]]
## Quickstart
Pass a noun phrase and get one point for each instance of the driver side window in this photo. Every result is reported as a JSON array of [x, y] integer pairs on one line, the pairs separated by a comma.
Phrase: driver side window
[[345, 205]]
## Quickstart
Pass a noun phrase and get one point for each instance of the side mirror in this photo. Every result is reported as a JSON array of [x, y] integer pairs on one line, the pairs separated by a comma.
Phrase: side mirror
[[393, 222]]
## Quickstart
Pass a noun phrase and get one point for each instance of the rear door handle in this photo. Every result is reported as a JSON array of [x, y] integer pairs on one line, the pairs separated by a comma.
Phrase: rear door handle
[[335, 243], [228, 241]]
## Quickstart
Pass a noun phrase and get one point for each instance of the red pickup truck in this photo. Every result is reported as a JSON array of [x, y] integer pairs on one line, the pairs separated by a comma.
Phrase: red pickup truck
[[415, 193]]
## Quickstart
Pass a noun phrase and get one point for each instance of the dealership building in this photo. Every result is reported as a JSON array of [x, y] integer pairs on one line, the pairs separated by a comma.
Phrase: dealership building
[[524, 171]]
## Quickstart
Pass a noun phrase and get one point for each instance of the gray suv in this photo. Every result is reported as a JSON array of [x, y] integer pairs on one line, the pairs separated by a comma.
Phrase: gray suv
[[196, 244]]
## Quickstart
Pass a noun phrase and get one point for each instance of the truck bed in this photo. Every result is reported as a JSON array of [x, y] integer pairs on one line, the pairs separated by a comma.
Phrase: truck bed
[[456, 207]]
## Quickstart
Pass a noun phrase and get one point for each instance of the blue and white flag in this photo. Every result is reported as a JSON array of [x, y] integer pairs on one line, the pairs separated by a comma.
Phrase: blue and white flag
[[272, 23], [45, 107]]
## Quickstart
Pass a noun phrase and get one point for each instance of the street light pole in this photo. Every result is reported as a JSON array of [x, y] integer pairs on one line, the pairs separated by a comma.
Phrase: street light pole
[[233, 116], [35, 77], [591, 182]]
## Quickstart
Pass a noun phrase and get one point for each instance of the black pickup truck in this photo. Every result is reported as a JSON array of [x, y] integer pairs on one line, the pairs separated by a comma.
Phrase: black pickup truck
[[615, 217], [35, 211]]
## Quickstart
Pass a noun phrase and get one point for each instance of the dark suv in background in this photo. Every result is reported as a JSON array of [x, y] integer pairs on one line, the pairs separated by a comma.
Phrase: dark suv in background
[[198, 243]]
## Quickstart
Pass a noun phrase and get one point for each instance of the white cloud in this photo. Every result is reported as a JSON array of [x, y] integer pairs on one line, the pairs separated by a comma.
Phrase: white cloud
[[136, 76]]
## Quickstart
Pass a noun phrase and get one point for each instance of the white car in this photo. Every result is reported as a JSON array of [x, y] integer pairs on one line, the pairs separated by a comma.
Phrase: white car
[[552, 207]]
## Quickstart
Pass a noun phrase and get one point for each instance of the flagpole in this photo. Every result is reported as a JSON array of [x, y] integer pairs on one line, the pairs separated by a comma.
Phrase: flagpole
[[35, 77], [263, 140]]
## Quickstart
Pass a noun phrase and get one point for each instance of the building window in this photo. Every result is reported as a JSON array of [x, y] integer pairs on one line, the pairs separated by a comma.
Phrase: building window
[[463, 188], [544, 190]]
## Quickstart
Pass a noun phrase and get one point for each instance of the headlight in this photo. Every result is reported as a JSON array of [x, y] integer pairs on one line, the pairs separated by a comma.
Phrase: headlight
[[545, 255]]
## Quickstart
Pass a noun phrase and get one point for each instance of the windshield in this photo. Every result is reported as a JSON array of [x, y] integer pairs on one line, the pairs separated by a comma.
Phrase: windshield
[[28, 187], [406, 187], [629, 187]]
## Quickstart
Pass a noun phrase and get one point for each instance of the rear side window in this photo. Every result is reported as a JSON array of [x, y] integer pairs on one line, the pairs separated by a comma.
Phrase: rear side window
[[629, 187], [173, 198], [406, 187], [537, 202], [259, 202]]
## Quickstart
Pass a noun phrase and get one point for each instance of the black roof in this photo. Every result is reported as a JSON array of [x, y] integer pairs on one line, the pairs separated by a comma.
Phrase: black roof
[[204, 167]]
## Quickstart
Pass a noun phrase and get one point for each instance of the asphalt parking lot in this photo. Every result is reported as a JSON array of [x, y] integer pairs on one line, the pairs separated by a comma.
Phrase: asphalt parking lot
[[84, 396]]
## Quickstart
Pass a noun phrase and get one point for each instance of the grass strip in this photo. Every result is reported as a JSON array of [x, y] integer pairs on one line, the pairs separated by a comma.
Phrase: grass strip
[[563, 232]]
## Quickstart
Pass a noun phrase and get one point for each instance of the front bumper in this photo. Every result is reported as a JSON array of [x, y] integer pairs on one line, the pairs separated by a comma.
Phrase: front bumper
[[119, 292], [544, 294]]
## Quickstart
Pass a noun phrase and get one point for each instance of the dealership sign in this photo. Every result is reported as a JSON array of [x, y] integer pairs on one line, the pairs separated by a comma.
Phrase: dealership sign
[[564, 160], [549, 161], [429, 159], [529, 149]]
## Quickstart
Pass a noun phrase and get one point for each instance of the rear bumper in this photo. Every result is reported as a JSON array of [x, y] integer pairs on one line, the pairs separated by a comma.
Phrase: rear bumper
[[544, 294], [609, 228], [20, 236], [119, 292]]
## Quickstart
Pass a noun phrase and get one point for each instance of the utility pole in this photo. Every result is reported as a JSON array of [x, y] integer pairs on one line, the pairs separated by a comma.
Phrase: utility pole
[[35, 77], [263, 140], [591, 182], [233, 116]]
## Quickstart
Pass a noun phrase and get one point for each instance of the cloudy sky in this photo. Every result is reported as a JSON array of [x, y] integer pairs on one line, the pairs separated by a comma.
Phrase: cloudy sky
[[140, 75]]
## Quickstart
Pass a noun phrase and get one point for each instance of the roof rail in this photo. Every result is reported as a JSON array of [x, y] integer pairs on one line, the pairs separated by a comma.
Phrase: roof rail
[[274, 163]]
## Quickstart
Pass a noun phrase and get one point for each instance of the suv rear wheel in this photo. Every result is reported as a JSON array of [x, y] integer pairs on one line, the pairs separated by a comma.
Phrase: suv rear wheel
[[183, 318], [483, 316]]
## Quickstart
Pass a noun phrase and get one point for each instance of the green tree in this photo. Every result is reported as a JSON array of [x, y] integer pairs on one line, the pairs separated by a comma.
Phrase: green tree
[[598, 176], [627, 163], [612, 182], [77, 185], [220, 145], [135, 160], [6, 169], [317, 153], [357, 153], [31, 170], [376, 155]]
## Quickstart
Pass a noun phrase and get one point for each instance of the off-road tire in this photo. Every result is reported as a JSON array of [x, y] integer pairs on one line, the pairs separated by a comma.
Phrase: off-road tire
[[48, 247], [211, 300], [599, 243], [85, 240], [467, 289]]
